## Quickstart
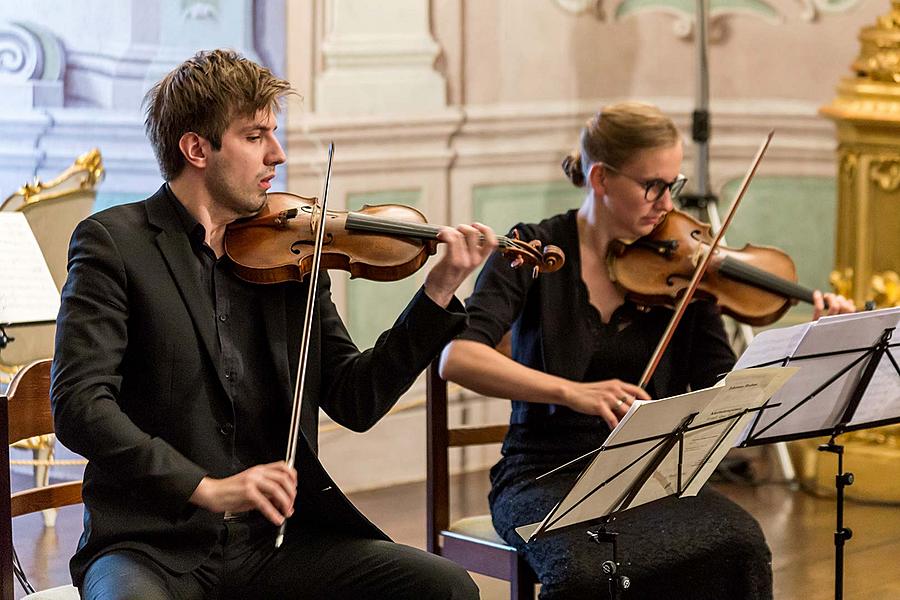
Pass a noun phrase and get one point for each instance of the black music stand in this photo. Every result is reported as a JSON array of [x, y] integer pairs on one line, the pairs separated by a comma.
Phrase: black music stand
[[676, 459], [846, 410]]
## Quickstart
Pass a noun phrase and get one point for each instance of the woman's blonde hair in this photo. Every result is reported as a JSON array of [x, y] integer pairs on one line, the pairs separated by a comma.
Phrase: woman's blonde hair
[[203, 95], [615, 134]]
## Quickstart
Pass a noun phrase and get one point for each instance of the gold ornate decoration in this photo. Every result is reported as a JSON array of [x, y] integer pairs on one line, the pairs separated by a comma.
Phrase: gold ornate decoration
[[866, 112], [85, 173], [886, 173], [842, 282], [886, 289]]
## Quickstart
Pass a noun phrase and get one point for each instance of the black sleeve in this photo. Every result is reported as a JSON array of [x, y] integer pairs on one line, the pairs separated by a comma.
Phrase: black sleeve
[[500, 293], [91, 341], [360, 387], [711, 355]]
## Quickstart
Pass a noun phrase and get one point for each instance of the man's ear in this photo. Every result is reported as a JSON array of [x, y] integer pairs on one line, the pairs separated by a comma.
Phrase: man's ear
[[597, 178], [195, 149]]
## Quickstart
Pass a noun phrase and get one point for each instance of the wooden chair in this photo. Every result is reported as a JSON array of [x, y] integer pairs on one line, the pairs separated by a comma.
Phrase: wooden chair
[[470, 542], [53, 209], [25, 412]]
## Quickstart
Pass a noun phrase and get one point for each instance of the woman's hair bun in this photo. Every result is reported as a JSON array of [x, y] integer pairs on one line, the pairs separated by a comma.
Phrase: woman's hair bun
[[571, 166]]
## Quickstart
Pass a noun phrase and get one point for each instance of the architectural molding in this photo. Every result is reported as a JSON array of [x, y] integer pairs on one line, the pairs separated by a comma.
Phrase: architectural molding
[[32, 67], [536, 135], [378, 58], [720, 11]]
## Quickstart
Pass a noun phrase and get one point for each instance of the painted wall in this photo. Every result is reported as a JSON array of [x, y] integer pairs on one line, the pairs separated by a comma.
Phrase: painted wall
[[520, 78], [462, 108]]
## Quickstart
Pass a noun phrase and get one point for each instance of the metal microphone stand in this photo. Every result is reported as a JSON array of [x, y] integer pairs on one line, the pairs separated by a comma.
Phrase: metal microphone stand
[[703, 201]]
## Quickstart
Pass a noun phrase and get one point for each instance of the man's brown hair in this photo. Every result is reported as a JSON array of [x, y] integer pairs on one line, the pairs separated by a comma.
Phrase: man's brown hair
[[203, 95]]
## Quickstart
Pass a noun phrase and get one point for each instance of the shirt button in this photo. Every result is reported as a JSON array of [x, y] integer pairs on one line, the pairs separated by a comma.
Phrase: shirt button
[[226, 429], [228, 375], [223, 317]]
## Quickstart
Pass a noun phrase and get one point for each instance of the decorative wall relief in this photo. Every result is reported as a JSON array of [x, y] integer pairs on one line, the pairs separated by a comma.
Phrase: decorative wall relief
[[719, 10], [199, 10], [32, 65]]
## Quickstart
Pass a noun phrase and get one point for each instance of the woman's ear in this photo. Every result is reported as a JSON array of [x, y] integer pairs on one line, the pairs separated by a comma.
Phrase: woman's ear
[[195, 149], [597, 178]]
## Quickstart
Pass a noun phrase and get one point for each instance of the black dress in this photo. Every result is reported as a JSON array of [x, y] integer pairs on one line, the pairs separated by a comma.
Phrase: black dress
[[694, 548]]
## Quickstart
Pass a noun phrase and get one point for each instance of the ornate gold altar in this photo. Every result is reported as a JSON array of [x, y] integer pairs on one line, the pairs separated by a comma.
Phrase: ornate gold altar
[[867, 258]]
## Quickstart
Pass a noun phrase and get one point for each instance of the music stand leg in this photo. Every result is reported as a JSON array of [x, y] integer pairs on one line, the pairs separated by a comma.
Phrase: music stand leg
[[841, 533], [610, 568]]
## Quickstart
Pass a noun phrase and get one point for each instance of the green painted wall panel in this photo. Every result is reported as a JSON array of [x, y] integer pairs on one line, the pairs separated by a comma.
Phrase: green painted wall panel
[[373, 306], [796, 214], [502, 206]]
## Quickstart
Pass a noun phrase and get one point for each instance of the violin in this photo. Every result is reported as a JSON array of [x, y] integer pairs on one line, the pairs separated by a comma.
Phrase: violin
[[753, 284], [385, 242]]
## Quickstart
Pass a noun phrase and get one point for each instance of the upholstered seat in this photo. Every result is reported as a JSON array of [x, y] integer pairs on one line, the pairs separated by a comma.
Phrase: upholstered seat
[[471, 542]]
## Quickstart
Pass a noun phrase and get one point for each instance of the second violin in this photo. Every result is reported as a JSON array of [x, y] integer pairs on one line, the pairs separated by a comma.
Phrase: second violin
[[386, 242]]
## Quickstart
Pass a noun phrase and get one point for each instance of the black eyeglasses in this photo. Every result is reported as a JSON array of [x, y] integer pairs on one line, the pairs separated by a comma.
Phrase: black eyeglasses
[[654, 189]]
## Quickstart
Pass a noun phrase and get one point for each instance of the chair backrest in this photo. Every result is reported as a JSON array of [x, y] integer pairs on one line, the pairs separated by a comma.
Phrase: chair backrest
[[24, 413], [52, 209], [441, 437]]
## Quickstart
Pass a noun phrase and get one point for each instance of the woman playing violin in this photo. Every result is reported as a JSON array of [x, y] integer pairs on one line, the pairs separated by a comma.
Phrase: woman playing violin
[[577, 346]]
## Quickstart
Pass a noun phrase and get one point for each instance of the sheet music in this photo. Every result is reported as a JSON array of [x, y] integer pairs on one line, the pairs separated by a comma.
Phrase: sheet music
[[849, 336], [27, 291], [772, 345], [881, 400], [603, 485]]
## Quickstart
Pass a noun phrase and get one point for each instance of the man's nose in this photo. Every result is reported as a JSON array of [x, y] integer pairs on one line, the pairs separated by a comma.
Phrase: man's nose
[[276, 154]]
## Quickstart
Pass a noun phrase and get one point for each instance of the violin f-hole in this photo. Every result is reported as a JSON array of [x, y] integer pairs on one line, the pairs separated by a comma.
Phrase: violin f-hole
[[296, 247]]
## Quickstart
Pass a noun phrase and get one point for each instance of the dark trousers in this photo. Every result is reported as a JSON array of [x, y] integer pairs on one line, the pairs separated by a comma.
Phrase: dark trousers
[[311, 563]]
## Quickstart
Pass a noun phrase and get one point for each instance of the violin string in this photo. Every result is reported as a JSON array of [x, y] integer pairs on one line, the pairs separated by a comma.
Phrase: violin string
[[738, 269], [361, 222]]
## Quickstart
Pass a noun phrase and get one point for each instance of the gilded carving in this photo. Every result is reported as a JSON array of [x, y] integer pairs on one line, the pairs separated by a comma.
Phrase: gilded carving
[[848, 161], [885, 172], [842, 282], [886, 289], [866, 110], [89, 171]]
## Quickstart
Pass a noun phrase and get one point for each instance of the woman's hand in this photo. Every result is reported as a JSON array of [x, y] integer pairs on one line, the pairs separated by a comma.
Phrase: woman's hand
[[609, 399], [837, 304]]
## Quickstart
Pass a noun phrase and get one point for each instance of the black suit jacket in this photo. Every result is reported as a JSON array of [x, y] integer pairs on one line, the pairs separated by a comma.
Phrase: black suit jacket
[[136, 391]]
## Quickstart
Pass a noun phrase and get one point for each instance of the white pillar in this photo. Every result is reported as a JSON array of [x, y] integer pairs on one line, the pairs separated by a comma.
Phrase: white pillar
[[379, 59]]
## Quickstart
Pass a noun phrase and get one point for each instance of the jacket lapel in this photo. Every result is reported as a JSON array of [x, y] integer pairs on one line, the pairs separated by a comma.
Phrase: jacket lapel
[[176, 250]]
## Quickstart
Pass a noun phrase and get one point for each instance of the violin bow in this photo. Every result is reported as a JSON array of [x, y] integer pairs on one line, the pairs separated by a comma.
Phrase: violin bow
[[294, 435], [701, 268]]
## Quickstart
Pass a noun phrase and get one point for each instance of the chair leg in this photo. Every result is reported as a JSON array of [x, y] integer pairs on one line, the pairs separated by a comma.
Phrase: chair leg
[[521, 584], [44, 453]]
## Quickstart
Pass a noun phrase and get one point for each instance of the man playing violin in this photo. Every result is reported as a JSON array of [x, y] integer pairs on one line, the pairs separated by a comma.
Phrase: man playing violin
[[174, 378], [578, 348]]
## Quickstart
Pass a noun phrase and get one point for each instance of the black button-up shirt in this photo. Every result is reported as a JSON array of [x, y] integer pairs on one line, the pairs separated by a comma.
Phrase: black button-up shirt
[[259, 424]]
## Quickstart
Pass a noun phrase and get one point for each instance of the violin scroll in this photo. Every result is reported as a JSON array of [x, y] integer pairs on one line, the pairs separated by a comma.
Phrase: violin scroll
[[543, 259]]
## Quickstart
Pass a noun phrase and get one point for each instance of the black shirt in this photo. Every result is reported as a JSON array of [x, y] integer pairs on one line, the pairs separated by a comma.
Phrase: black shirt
[[258, 435]]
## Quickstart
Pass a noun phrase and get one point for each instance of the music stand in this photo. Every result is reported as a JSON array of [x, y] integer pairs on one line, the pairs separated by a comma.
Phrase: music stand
[[660, 448], [848, 379], [28, 295]]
